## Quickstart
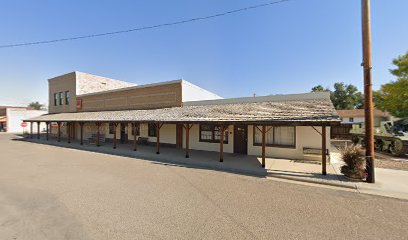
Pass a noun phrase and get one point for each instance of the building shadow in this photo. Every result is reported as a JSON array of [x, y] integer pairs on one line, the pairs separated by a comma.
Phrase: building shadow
[[246, 165], [169, 156]]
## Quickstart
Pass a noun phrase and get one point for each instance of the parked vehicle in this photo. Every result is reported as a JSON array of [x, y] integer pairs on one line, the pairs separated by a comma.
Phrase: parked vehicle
[[390, 136]]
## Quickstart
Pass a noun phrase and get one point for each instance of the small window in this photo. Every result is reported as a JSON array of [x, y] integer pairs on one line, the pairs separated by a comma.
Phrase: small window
[[55, 99], [211, 133], [152, 131], [136, 129], [67, 97], [351, 119], [276, 136], [61, 98]]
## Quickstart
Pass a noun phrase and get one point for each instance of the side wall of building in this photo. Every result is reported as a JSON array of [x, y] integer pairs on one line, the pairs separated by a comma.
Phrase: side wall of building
[[208, 146], [62, 84], [15, 117], [149, 97], [167, 132], [192, 92], [306, 137], [89, 83]]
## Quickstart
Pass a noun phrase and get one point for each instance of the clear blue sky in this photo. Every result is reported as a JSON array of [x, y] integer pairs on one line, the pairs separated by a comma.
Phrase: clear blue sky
[[285, 48]]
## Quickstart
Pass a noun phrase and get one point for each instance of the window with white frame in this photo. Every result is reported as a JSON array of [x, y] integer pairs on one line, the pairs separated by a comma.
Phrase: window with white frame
[[277, 136]]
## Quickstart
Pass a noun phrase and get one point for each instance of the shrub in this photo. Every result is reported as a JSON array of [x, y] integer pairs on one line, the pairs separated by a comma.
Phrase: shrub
[[354, 162]]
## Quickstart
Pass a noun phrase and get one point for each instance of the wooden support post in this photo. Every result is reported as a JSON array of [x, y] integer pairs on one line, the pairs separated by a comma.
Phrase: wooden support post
[[188, 127], [69, 131], [324, 172], [31, 129], [114, 134], [48, 130], [59, 131], [222, 130], [98, 134], [158, 126], [38, 130], [263, 145], [81, 126], [134, 137]]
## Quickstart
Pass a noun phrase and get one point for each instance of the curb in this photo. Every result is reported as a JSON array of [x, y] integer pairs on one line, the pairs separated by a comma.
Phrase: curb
[[333, 184]]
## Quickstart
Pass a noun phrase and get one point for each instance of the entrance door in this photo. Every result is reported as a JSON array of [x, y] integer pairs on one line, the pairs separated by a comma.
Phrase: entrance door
[[241, 139], [179, 136], [123, 133]]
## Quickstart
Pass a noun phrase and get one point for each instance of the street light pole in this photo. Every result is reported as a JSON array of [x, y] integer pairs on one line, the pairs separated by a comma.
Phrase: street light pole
[[368, 91]]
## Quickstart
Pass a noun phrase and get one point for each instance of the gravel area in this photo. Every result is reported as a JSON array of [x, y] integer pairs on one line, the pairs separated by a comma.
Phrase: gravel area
[[390, 162], [383, 160]]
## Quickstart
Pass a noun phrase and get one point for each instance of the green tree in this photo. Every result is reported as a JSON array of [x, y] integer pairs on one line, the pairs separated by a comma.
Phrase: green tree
[[344, 96], [319, 88], [36, 105], [393, 96], [359, 100]]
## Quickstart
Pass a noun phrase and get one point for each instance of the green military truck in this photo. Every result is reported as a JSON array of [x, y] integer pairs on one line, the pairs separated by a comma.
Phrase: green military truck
[[390, 136]]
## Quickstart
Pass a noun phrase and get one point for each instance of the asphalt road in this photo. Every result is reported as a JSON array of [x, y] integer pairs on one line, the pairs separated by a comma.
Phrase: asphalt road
[[48, 192]]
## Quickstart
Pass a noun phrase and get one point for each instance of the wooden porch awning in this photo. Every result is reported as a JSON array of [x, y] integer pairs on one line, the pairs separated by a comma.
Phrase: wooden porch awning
[[314, 112]]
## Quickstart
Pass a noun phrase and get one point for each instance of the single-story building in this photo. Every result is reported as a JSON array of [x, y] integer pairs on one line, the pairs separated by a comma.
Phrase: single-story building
[[12, 117], [183, 115], [356, 116]]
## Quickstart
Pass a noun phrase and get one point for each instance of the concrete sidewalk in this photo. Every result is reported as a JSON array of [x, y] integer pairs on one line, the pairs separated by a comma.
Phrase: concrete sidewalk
[[389, 182], [235, 163]]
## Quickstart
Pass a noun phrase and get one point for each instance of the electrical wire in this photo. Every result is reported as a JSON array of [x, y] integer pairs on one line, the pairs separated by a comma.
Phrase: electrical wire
[[142, 28]]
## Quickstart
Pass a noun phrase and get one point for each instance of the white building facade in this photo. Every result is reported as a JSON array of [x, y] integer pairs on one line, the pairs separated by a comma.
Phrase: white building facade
[[12, 118]]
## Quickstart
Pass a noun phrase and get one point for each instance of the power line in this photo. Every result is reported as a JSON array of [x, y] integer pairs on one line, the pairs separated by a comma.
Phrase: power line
[[142, 28]]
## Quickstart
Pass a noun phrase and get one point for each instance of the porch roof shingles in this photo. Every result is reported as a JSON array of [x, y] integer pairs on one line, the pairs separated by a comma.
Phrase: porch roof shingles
[[314, 110]]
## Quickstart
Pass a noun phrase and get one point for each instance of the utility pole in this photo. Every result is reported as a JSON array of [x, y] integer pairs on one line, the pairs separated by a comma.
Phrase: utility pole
[[368, 91]]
